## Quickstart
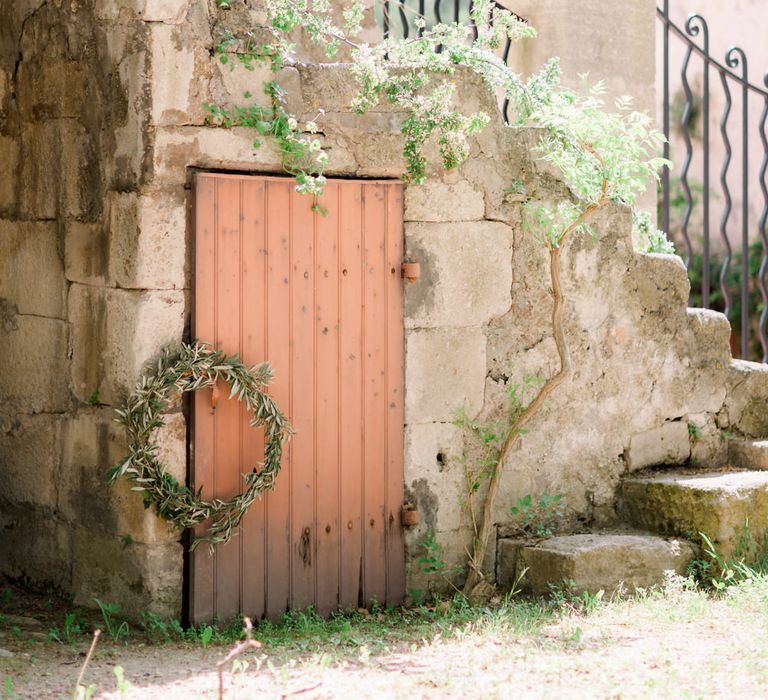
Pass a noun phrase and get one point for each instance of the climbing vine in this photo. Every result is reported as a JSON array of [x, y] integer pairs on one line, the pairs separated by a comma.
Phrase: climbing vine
[[603, 156]]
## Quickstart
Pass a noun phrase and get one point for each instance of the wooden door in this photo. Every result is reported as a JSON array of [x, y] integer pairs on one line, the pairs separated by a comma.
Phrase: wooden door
[[320, 298]]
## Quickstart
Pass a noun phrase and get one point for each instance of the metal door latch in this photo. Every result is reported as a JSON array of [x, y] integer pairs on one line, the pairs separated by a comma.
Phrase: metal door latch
[[410, 271], [409, 516]]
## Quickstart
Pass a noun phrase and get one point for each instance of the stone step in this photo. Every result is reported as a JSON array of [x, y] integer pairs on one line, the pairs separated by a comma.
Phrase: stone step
[[748, 454], [606, 561], [718, 504]]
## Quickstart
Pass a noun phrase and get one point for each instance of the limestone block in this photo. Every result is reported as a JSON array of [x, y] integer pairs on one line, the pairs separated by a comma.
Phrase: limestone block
[[440, 201], [230, 82], [168, 11], [171, 440], [35, 545], [52, 89], [711, 334], [79, 171], [715, 503], [434, 473], [444, 372], [39, 179], [748, 454], [93, 444], [31, 269], [173, 66], [176, 149], [747, 398], [667, 444], [148, 240], [466, 273], [135, 576], [595, 562], [115, 333], [452, 549], [35, 377], [30, 457], [9, 157], [709, 447], [86, 253]]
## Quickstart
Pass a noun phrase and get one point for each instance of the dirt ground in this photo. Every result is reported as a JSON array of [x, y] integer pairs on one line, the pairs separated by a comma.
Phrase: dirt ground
[[672, 644]]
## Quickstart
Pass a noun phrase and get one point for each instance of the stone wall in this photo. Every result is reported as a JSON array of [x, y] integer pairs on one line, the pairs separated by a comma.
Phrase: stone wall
[[102, 128]]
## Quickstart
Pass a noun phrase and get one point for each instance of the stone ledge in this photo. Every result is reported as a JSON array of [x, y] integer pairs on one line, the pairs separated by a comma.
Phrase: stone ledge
[[592, 562]]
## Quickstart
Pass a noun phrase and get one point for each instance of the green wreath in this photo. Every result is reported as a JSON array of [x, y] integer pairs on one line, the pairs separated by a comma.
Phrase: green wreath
[[197, 366]]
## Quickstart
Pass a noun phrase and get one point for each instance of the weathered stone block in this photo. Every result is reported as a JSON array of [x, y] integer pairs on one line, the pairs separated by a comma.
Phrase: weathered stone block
[[52, 89], [137, 577], [748, 454], [39, 178], [9, 157], [179, 148], [434, 473], [93, 444], [230, 82], [718, 504], [747, 398], [441, 201], [36, 545], [30, 458], [667, 444], [168, 11], [711, 333], [115, 333], [86, 253], [466, 273], [36, 374], [148, 240], [594, 562], [444, 372], [31, 269], [173, 67]]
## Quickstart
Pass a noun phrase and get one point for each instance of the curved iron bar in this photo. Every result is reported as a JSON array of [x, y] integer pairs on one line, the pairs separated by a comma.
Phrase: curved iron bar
[[734, 58], [694, 25], [763, 230], [726, 266], [721, 67], [684, 123], [403, 19]]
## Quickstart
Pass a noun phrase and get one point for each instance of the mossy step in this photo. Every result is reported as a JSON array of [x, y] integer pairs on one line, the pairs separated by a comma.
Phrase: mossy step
[[606, 561], [718, 504], [748, 454]]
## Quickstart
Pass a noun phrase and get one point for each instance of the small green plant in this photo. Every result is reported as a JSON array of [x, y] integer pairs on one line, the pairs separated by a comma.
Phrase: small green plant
[[93, 399], [122, 685], [126, 540], [694, 431], [8, 690], [564, 595], [432, 561], [71, 629], [715, 571], [7, 595], [115, 627], [539, 517]]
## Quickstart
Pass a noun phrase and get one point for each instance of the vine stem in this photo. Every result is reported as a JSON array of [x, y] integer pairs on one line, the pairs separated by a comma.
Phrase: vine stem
[[475, 574]]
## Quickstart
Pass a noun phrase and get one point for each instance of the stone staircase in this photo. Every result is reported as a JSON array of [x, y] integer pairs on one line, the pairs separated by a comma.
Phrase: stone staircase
[[662, 512]]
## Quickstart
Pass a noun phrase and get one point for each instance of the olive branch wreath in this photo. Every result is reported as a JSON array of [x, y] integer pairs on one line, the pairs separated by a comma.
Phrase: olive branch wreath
[[198, 366]]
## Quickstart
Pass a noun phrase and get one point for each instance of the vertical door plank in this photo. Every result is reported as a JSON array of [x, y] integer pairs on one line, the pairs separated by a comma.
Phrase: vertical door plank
[[278, 353], [327, 401], [350, 371], [303, 370], [201, 603], [375, 390], [228, 480], [395, 399], [254, 255]]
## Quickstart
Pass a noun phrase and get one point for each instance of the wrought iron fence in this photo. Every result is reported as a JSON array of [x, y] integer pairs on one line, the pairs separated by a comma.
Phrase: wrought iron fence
[[397, 18], [732, 281]]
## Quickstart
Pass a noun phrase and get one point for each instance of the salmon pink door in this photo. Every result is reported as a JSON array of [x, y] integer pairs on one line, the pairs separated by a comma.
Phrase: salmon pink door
[[319, 296]]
